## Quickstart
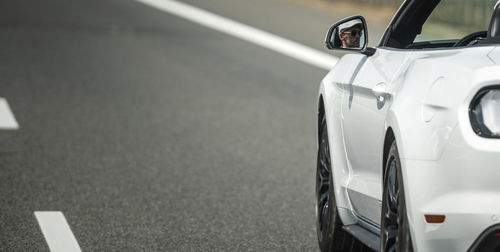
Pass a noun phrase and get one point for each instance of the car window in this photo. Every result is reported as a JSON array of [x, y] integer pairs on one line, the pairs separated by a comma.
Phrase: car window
[[454, 19]]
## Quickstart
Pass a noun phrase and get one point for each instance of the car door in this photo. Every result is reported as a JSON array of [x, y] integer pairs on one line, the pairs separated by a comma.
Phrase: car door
[[364, 106]]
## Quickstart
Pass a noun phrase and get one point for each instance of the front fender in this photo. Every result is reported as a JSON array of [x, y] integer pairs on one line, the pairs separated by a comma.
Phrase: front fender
[[331, 92]]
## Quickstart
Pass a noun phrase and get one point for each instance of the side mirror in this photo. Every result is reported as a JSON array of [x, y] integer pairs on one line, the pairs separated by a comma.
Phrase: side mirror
[[349, 34]]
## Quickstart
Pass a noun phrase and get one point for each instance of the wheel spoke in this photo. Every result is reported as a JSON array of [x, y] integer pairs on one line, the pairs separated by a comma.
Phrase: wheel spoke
[[391, 194], [323, 183], [393, 185], [327, 153], [323, 217], [390, 215], [324, 173], [325, 158], [323, 162], [392, 248], [324, 212], [394, 227], [325, 150], [323, 209], [391, 210], [323, 197], [390, 235]]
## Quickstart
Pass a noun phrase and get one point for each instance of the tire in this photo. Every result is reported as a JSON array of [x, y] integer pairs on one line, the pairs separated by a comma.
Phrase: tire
[[394, 232], [331, 235]]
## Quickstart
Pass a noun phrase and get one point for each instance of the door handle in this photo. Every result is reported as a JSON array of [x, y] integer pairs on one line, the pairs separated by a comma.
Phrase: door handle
[[379, 89], [380, 93]]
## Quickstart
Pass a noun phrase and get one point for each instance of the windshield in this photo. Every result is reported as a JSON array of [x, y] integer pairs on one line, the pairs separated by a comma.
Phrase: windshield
[[453, 19]]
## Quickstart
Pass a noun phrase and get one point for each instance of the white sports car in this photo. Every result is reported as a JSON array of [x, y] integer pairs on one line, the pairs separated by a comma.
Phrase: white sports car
[[409, 132]]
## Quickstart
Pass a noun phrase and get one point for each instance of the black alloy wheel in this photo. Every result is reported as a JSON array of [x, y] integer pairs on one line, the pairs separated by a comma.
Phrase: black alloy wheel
[[395, 232], [331, 235]]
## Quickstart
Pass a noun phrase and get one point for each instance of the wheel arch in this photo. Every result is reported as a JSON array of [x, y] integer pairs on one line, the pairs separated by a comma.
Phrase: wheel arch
[[328, 109], [395, 125], [320, 116], [389, 138]]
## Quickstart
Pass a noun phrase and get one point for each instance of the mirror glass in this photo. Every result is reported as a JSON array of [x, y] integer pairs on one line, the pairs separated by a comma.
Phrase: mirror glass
[[348, 35]]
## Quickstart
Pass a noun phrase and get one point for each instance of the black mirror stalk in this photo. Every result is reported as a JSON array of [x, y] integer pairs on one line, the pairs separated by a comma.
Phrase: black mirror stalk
[[369, 51]]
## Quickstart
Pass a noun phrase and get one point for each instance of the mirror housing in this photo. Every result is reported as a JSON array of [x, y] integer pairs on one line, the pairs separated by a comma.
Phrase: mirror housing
[[349, 34]]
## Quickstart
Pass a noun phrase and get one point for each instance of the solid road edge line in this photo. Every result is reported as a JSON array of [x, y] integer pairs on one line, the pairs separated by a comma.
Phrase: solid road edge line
[[245, 32]]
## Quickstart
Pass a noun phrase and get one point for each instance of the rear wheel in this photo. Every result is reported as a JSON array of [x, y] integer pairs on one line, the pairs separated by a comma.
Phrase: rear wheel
[[395, 232], [331, 235]]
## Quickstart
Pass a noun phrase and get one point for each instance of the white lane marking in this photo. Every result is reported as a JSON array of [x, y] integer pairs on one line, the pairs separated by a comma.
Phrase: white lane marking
[[57, 232], [7, 119], [245, 32]]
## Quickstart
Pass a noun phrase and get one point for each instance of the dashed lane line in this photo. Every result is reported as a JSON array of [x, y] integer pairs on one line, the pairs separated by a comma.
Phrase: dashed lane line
[[57, 232], [54, 226], [7, 119], [245, 32]]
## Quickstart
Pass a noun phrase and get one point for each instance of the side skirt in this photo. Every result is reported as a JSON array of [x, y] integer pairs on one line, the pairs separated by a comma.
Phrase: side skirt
[[367, 237]]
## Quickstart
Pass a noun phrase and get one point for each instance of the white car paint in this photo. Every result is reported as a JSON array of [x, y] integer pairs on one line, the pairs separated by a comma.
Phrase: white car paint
[[423, 96]]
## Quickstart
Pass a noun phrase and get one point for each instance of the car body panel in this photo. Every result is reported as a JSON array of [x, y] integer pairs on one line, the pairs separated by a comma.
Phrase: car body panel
[[426, 106], [364, 106], [464, 188]]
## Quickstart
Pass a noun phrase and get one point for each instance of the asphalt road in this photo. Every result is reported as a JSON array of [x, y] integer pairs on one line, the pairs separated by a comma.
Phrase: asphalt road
[[152, 133]]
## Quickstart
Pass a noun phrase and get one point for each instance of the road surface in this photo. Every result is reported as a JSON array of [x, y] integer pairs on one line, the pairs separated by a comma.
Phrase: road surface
[[149, 132]]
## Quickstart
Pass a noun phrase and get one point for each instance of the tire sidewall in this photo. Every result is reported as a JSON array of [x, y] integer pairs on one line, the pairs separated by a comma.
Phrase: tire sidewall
[[404, 237], [326, 240]]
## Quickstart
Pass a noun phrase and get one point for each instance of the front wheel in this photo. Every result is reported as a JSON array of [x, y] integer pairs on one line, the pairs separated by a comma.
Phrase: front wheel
[[395, 231], [331, 235]]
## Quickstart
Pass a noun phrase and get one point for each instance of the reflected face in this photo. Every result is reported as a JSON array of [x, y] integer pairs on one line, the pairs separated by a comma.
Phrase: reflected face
[[350, 37]]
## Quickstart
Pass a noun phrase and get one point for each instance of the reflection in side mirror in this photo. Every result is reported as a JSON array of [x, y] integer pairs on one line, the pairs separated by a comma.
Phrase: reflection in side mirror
[[349, 34]]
